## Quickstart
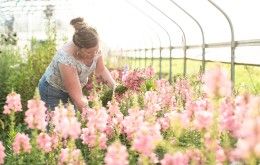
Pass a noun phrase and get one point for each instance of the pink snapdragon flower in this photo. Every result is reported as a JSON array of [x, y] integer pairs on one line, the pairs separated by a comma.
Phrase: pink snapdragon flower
[[175, 159], [2, 153], [195, 156], [183, 90], [21, 143], [133, 80], [115, 74], [116, 154], [92, 138], [13, 103], [97, 119], [248, 135], [89, 137], [152, 104], [216, 83], [71, 156], [165, 94], [35, 116], [228, 119], [147, 137], [66, 123], [44, 142], [149, 72], [94, 134], [203, 119], [132, 122]]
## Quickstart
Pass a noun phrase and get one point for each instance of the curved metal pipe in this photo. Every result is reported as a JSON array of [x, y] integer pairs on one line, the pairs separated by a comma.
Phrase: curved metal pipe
[[183, 36], [157, 23], [201, 30], [160, 43], [232, 43]]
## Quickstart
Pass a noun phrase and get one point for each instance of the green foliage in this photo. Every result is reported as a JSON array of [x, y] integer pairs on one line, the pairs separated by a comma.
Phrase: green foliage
[[140, 100], [245, 76], [133, 157], [160, 151], [190, 138], [149, 84], [107, 95], [125, 105], [25, 79], [9, 38], [83, 148], [9, 62], [227, 140], [120, 89]]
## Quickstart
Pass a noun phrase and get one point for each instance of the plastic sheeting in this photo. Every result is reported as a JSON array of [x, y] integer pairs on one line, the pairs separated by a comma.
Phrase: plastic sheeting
[[130, 24]]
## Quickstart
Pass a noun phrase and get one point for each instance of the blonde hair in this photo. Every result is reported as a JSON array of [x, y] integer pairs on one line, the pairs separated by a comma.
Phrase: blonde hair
[[84, 36]]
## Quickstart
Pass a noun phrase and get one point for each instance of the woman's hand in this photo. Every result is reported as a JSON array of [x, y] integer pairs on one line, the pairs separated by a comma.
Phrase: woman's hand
[[101, 70]]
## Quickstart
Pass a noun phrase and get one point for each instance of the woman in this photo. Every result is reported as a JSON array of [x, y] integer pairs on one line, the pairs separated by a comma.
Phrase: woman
[[69, 69]]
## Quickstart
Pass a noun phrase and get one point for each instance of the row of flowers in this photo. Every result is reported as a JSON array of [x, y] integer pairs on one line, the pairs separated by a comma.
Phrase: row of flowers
[[151, 122]]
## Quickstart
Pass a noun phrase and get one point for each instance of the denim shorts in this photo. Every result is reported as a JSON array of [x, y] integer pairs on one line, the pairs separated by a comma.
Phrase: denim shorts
[[51, 95]]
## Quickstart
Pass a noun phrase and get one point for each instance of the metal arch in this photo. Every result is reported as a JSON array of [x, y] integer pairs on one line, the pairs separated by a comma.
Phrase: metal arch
[[201, 30], [183, 35], [232, 43], [153, 47], [157, 23]]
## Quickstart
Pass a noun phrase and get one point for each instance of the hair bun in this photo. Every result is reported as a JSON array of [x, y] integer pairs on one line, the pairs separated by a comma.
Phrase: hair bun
[[78, 23]]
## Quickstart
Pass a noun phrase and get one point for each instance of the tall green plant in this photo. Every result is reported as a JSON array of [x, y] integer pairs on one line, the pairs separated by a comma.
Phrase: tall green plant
[[26, 77], [9, 62]]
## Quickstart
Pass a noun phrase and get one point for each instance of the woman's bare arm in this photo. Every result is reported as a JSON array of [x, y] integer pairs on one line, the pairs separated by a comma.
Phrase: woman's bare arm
[[72, 84], [101, 70]]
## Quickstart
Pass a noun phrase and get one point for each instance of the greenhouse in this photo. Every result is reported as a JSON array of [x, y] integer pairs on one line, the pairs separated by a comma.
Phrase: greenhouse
[[116, 82]]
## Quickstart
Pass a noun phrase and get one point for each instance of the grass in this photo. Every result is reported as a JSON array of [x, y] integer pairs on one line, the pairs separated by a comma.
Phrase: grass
[[246, 76]]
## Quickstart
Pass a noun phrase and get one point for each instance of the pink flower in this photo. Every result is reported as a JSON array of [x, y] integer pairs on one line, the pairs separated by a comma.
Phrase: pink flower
[[13, 103], [216, 83], [164, 122], [133, 80], [92, 138], [44, 142], [116, 154], [132, 122], [176, 159], [195, 156], [149, 72], [115, 74], [2, 153], [203, 119], [147, 138], [89, 137], [220, 154], [21, 143], [102, 141], [228, 118], [35, 116], [70, 156], [165, 94], [64, 155], [183, 90], [97, 119], [257, 149], [54, 140], [66, 123], [144, 144]]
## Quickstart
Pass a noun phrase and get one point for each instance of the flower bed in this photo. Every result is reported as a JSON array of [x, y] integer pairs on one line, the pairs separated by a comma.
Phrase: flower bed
[[144, 121]]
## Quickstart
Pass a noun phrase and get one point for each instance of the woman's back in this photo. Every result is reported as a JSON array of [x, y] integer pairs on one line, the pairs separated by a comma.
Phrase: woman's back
[[53, 75]]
